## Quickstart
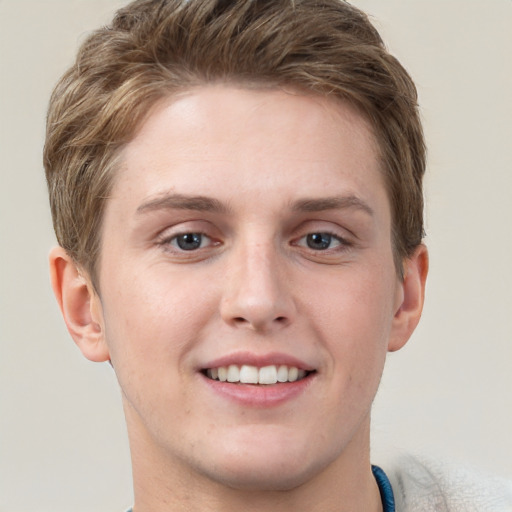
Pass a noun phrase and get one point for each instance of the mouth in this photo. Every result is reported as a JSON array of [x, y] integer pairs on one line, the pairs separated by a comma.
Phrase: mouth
[[248, 374]]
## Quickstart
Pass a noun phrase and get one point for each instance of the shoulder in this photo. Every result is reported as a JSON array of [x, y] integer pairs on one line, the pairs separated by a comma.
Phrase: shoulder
[[424, 486]]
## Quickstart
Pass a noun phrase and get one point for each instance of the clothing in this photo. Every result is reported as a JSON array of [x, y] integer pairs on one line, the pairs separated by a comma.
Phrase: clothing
[[385, 489], [427, 486], [414, 485]]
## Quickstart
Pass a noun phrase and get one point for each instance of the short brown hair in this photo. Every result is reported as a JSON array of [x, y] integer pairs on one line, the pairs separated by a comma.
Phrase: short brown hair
[[154, 48]]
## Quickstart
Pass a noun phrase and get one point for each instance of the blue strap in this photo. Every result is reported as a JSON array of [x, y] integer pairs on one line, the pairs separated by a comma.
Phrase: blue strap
[[386, 491]]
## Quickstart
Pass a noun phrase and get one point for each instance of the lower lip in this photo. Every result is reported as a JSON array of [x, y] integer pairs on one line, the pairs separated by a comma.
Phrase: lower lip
[[260, 395]]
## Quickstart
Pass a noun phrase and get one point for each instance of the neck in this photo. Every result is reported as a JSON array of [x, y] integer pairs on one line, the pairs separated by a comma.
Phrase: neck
[[162, 483]]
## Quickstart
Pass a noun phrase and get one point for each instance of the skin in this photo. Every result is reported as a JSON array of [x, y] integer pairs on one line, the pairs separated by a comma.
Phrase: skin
[[270, 167]]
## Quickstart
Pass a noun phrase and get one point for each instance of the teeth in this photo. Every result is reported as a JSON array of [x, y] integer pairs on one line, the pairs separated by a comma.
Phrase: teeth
[[282, 373], [267, 375], [233, 373], [247, 374]]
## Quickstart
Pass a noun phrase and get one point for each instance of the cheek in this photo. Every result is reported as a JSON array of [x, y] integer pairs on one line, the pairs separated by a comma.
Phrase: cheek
[[359, 304], [151, 325], [152, 321], [157, 302], [353, 316]]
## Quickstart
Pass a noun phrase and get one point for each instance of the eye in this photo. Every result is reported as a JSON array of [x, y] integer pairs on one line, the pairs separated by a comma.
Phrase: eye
[[190, 241], [320, 241]]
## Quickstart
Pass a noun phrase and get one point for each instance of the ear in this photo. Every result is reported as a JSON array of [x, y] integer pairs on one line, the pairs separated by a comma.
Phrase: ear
[[80, 305], [410, 298]]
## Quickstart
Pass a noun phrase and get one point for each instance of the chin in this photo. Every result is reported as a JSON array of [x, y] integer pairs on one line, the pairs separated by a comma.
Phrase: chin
[[268, 463], [273, 477]]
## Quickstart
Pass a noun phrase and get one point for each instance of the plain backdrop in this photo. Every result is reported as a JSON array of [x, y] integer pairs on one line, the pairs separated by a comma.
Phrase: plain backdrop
[[447, 395]]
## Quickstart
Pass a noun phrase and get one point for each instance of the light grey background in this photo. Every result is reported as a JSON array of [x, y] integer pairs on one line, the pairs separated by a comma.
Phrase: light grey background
[[447, 394]]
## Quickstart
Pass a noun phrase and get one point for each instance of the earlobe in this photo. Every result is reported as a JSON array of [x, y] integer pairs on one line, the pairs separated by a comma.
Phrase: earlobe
[[80, 305], [411, 297]]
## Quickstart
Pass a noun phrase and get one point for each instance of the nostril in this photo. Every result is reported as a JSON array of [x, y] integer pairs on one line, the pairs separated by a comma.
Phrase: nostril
[[240, 320]]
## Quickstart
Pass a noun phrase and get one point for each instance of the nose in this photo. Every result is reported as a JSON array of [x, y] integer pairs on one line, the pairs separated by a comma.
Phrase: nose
[[257, 295]]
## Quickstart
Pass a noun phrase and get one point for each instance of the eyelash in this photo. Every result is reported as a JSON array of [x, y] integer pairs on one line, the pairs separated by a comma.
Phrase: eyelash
[[342, 243], [174, 240], [172, 243]]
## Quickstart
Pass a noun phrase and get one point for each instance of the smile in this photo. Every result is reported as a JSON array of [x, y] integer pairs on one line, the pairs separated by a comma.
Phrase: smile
[[247, 374]]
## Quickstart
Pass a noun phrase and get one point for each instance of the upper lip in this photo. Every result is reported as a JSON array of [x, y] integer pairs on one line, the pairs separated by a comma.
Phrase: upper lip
[[258, 360]]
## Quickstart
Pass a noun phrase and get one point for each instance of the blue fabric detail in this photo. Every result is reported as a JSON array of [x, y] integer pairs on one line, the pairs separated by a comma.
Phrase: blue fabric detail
[[386, 491]]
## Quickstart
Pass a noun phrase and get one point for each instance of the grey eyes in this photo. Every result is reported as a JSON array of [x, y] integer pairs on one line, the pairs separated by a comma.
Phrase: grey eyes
[[319, 241], [189, 241]]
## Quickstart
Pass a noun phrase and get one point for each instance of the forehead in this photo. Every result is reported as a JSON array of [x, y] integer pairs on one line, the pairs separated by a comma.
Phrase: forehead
[[210, 130]]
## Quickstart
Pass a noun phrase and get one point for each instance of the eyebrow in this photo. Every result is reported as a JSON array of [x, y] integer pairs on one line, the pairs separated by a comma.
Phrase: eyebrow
[[208, 204], [183, 202], [332, 203]]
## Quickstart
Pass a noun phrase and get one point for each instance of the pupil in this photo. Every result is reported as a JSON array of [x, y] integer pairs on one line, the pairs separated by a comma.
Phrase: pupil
[[189, 241], [319, 240]]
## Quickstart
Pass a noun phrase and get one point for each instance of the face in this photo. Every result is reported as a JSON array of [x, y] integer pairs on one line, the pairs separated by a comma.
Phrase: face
[[248, 291]]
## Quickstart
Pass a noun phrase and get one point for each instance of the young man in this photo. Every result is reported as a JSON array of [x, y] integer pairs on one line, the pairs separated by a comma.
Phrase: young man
[[236, 191]]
